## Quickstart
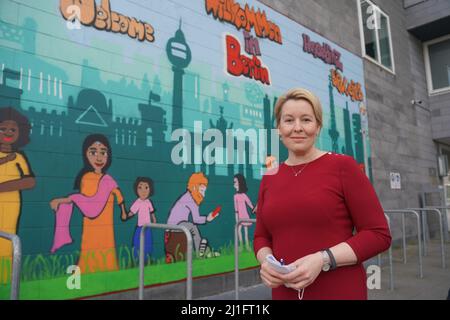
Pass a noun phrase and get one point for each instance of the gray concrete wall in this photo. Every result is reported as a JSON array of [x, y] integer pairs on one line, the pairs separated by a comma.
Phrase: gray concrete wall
[[401, 136], [423, 12], [400, 133], [440, 106], [335, 20]]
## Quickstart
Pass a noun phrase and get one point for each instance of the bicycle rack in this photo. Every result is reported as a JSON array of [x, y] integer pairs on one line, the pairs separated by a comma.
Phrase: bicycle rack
[[419, 232], [188, 259], [236, 255], [16, 263], [391, 270], [441, 232]]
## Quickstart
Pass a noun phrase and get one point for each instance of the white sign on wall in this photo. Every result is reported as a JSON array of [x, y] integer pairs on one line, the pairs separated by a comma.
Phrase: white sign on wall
[[396, 182]]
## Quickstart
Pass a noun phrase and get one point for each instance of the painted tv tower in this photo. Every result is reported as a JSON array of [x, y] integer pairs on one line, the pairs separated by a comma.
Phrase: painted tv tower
[[333, 132], [179, 55]]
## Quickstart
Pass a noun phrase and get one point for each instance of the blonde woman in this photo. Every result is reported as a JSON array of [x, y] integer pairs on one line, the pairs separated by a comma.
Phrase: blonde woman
[[308, 209]]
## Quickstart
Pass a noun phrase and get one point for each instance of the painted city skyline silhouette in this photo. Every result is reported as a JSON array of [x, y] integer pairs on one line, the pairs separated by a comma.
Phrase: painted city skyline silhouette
[[140, 144]]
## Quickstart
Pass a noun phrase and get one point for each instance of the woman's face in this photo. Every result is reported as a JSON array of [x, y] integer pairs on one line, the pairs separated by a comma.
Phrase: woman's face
[[298, 126], [143, 190], [236, 184], [97, 155], [9, 132]]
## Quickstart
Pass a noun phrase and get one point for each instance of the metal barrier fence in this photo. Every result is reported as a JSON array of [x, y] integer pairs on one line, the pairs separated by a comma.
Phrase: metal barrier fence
[[419, 233], [441, 232], [16, 263], [236, 255], [420, 236], [391, 270], [188, 258], [443, 211]]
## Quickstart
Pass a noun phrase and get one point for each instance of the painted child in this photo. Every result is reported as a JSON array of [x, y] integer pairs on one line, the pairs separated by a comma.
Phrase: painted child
[[143, 207], [241, 201]]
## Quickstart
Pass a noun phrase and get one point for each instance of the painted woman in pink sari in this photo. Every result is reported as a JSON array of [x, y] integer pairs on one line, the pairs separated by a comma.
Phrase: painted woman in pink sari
[[96, 202]]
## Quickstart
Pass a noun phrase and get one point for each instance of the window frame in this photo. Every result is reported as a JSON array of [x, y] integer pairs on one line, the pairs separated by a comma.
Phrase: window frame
[[426, 55], [377, 37]]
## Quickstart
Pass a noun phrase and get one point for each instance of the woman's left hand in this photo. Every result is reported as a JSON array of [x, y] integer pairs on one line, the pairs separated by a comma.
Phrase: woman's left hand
[[307, 270]]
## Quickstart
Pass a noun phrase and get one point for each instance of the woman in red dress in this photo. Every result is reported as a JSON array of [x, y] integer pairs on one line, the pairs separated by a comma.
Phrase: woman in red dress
[[307, 211]]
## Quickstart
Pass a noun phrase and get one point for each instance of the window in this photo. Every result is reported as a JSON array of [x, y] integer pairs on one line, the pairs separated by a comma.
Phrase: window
[[375, 35], [437, 63], [149, 137]]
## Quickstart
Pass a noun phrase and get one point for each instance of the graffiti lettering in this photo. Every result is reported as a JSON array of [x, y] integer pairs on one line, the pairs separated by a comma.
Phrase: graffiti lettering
[[324, 52], [239, 64], [102, 18], [251, 44], [247, 18], [352, 89]]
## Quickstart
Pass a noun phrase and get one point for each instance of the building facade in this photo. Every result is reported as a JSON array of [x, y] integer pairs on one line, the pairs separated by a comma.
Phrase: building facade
[[179, 88], [408, 119]]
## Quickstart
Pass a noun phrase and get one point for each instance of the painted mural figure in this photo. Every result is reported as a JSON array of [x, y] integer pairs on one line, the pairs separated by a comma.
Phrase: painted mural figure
[[143, 207], [241, 201], [15, 175], [96, 202], [187, 206]]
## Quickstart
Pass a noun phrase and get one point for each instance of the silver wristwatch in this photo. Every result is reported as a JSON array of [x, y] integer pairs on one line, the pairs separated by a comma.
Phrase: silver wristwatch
[[326, 261]]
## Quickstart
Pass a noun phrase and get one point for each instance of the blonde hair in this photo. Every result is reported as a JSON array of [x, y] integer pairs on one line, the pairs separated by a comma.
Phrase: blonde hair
[[299, 94]]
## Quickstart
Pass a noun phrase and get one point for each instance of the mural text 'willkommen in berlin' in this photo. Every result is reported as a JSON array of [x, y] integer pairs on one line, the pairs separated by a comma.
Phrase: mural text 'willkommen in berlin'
[[103, 18], [247, 18], [239, 64]]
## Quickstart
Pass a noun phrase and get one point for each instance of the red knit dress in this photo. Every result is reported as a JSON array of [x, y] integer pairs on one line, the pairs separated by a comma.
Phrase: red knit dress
[[318, 209]]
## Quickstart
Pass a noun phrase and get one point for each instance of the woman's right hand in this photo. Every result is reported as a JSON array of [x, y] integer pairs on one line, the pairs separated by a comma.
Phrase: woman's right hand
[[269, 276]]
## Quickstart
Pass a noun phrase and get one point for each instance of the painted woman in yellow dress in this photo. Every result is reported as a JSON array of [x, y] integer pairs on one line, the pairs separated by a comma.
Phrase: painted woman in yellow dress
[[15, 175], [98, 248]]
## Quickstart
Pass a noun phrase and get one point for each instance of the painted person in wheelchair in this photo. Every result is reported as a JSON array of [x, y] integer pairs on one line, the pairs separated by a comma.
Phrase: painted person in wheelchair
[[186, 212]]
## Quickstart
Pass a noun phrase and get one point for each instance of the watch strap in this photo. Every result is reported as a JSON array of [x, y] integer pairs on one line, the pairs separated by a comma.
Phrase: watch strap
[[333, 264]]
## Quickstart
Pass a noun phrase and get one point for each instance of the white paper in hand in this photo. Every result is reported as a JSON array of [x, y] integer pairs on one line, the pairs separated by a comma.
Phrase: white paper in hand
[[275, 264]]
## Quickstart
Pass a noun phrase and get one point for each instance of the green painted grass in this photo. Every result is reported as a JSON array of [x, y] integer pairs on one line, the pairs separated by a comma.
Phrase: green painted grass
[[54, 287]]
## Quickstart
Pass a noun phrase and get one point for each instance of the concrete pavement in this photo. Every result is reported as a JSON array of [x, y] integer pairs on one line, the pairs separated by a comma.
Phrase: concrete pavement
[[407, 285]]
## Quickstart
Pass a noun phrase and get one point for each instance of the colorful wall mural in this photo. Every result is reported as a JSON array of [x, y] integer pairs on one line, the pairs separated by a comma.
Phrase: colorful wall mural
[[91, 95]]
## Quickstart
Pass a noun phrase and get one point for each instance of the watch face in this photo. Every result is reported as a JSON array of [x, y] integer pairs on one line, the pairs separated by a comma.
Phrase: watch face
[[326, 267]]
